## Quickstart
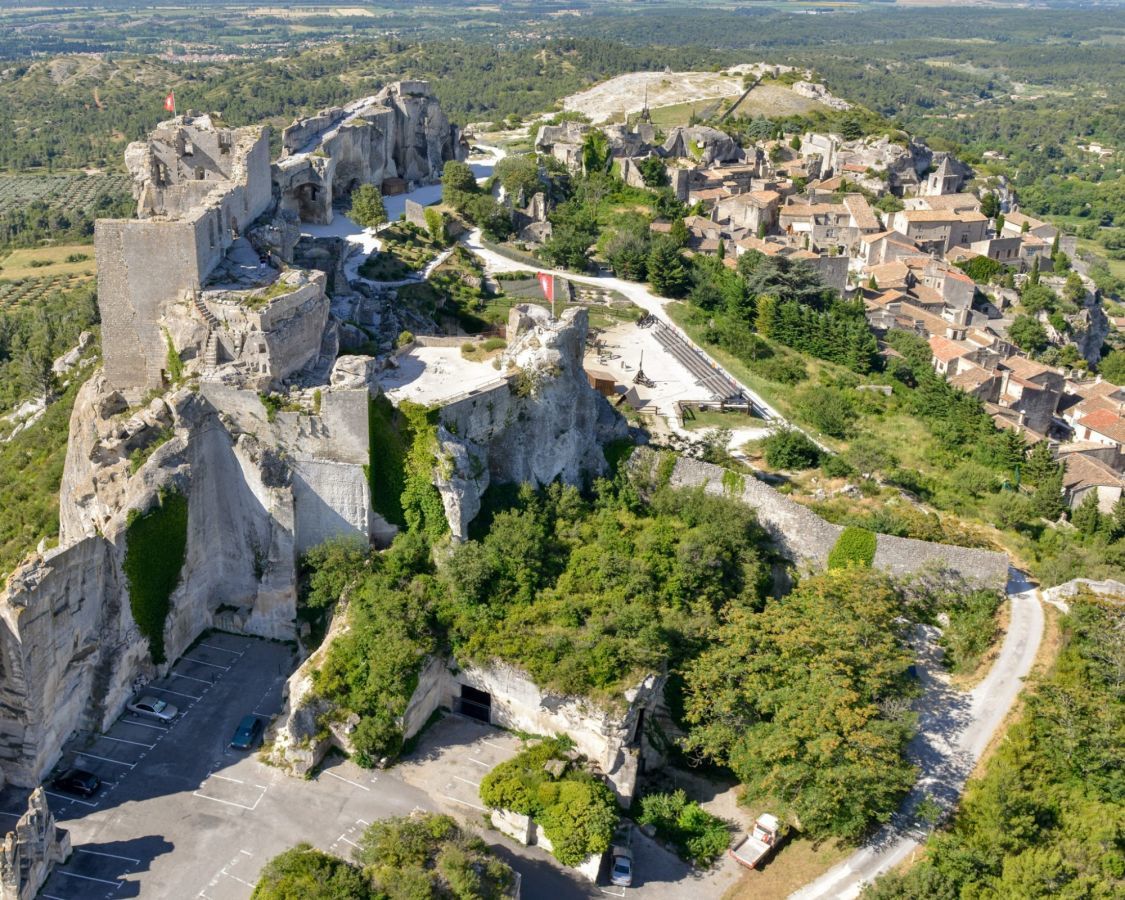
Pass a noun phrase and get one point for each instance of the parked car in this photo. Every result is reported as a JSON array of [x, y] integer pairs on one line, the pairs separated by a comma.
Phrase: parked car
[[621, 867], [152, 708], [248, 734], [78, 781]]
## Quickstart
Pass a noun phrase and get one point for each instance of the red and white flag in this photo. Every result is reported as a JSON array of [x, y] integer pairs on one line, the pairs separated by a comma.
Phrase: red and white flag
[[170, 102], [547, 283]]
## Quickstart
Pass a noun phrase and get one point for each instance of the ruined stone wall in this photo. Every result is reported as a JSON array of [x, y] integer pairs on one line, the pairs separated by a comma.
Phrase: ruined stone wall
[[142, 265], [807, 539]]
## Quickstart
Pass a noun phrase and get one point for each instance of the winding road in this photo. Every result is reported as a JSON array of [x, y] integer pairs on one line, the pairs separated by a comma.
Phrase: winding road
[[953, 731]]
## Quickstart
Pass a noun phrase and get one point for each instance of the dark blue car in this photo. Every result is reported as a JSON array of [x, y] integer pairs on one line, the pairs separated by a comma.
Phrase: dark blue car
[[248, 734]]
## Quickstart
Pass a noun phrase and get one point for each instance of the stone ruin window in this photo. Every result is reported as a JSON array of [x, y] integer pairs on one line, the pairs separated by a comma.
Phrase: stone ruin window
[[224, 142], [199, 173], [234, 228]]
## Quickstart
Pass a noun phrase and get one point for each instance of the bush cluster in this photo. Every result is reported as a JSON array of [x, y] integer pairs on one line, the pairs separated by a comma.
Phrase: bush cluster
[[577, 812], [698, 836], [854, 547]]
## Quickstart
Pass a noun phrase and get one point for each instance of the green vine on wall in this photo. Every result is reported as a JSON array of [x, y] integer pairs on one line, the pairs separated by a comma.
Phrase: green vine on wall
[[156, 545]]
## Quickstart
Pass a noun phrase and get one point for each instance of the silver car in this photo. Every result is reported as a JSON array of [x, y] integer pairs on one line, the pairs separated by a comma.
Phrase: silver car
[[152, 708]]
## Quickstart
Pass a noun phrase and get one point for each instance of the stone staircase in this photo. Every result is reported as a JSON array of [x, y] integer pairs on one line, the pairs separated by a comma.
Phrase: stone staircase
[[211, 349], [209, 317]]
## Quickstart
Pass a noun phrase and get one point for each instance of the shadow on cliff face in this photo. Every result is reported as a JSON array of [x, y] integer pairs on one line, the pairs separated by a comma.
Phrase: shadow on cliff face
[[94, 868]]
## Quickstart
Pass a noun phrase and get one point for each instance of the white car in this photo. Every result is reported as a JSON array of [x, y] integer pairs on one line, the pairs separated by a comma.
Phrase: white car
[[621, 869], [152, 708]]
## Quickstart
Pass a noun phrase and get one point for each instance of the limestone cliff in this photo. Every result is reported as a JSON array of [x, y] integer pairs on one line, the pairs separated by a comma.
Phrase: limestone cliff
[[544, 423]]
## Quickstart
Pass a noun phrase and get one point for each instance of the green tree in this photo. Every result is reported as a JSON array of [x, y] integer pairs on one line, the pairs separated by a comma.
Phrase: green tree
[[1047, 501], [1041, 464], [667, 272], [799, 700], [367, 209], [627, 252], [1074, 291], [435, 225], [1033, 273], [1028, 334], [653, 172], [1112, 367], [1062, 263], [990, 205], [595, 152], [458, 184], [1087, 518]]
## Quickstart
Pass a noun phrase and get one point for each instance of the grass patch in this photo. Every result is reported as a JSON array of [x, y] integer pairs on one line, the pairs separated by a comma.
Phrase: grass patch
[[43, 261], [382, 266]]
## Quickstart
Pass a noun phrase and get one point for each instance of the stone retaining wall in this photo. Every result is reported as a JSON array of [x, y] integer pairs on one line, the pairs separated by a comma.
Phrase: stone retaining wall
[[807, 539]]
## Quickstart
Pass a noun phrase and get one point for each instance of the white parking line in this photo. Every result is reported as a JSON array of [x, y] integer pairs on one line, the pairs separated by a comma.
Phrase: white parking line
[[348, 780], [141, 724], [463, 802], [103, 759], [116, 883], [135, 862], [222, 649], [190, 678], [225, 778], [346, 841], [466, 781], [507, 750], [50, 897], [75, 799], [236, 878], [230, 802], [612, 893], [202, 663], [123, 741], [13, 815], [363, 822], [245, 852], [149, 687], [479, 763]]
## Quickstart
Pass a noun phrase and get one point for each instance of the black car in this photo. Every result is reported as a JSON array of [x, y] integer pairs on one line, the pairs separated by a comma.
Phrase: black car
[[248, 733], [78, 781]]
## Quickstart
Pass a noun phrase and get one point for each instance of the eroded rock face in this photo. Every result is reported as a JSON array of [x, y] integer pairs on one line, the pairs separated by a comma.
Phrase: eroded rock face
[[398, 134], [704, 144], [545, 423]]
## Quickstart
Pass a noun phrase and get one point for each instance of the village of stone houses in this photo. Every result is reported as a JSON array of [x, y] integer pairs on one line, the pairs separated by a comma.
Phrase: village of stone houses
[[561, 507]]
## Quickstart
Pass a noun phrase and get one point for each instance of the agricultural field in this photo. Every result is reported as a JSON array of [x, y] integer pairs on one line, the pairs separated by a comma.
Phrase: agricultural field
[[73, 261], [68, 192], [30, 291]]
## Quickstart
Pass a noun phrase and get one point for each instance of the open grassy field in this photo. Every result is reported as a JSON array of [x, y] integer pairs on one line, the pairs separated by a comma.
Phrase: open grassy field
[[42, 262]]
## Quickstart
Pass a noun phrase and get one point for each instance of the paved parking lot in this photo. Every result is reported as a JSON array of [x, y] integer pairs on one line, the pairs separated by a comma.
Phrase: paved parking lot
[[181, 815]]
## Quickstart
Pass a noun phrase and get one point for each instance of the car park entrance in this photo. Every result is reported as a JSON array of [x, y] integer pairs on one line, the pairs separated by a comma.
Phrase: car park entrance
[[475, 704]]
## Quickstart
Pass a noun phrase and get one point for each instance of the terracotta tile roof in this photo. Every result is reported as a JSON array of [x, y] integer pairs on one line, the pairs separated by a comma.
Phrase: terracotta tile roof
[[853, 167], [1107, 422], [1017, 218], [889, 274], [1088, 471], [765, 196], [1025, 368], [861, 212], [946, 350], [872, 238], [941, 215], [801, 210], [972, 377], [951, 201]]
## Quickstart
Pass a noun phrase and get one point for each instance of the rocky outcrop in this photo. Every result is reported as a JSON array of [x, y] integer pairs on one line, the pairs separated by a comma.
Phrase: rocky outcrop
[[398, 135], [543, 423], [31, 850], [703, 144]]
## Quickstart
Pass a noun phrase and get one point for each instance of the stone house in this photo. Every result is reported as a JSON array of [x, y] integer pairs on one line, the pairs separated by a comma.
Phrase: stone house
[[1031, 389], [936, 231], [1085, 473], [753, 211]]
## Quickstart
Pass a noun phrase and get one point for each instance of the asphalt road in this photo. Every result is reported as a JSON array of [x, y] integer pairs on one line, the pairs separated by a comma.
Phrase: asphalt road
[[954, 730]]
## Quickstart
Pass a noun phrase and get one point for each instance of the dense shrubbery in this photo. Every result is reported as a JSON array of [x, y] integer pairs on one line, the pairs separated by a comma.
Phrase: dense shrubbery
[[854, 547], [577, 812], [817, 724], [1046, 819], [403, 441], [589, 596], [408, 858], [788, 448], [155, 545], [698, 836], [373, 667]]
